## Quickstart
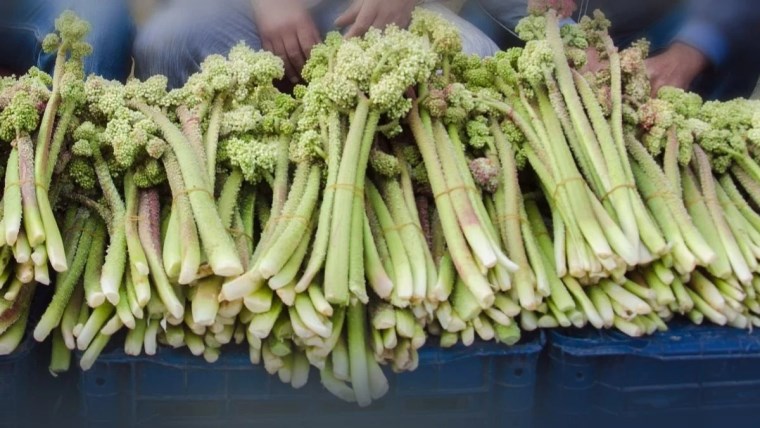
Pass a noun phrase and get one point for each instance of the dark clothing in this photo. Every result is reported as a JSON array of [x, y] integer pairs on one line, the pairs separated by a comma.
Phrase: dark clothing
[[25, 23], [725, 31]]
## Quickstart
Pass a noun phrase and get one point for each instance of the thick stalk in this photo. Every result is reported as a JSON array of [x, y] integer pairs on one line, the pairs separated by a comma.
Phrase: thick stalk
[[458, 248], [148, 228], [357, 351], [700, 214], [738, 263], [12, 204], [321, 240], [297, 227], [524, 277], [338, 261], [211, 140], [217, 243], [33, 227], [66, 283]]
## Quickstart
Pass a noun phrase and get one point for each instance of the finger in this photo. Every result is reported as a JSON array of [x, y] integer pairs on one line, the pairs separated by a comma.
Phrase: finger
[[267, 46], [349, 16], [293, 49], [307, 40], [362, 23], [290, 72]]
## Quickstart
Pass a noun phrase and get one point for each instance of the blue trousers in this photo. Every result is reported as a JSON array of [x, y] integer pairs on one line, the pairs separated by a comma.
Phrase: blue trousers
[[736, 78], [183, 32], [25, 23]]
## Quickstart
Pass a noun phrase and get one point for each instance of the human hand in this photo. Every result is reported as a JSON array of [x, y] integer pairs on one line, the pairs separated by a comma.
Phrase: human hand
[[678, 66], [287, 30], [593, 63], [363, 14]]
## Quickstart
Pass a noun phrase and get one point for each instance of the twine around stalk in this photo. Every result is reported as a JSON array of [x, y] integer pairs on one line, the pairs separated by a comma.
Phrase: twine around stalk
[[564, 183], [616, 188], [453, 189]]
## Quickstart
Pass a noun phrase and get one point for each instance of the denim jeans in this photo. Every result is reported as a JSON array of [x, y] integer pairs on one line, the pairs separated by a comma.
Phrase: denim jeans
[[736, 78], [25, 23], [183, 32]]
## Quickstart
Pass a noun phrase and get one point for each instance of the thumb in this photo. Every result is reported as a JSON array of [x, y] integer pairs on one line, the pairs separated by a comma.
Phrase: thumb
[[349, 16]]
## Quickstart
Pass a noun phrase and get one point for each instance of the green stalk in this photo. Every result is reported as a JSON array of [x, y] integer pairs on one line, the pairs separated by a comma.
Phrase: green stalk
[[211, 139], [248, 217], [11, 338], [321, 240], [376, 274], [228, 198], [446, 278], [414, 246], [700, 214], [738, 263], [280, 251], [473, 231], [594, 318], [337, 265], [357, 350], [707, 310], [747, 183], [356, 275], [33, 227], [570, 187], [524, 278], [289, 271], [12, 204], [403, 284], [733, 193], [60, 356], [746, 236], [70, 317], [135, 251], [95, 322], [148, 230], [133, 343], [652, 171], [458, 248], [115, 259], [205, 303], [189, 246], [93, 294], [379, 237], [65, 284], [476, 199], [190, 122], [618, 192], [217, 243], [559, 293]]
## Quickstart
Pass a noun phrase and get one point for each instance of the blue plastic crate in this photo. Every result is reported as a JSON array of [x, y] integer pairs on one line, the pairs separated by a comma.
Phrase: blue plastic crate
[[688, 375], [483, 385], [15, 371]]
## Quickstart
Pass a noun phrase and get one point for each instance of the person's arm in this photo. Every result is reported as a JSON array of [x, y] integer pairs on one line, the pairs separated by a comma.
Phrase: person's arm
[[286, 29], [713, 32], [363, 14]]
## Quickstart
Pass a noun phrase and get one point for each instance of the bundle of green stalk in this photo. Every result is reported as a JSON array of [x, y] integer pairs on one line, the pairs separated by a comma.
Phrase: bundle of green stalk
[[405, 190], [35, 113]]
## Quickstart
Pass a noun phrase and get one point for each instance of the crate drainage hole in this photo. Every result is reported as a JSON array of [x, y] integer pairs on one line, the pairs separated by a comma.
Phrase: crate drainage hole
[[519, 372], [579, 375], [100, 381]]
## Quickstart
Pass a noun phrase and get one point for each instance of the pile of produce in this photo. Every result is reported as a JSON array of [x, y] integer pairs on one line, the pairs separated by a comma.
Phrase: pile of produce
[[406, 194]]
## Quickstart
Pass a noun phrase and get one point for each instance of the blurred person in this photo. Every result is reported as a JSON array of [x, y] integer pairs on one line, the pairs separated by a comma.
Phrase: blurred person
[[25, 23], [183, 32], [707, 46]]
